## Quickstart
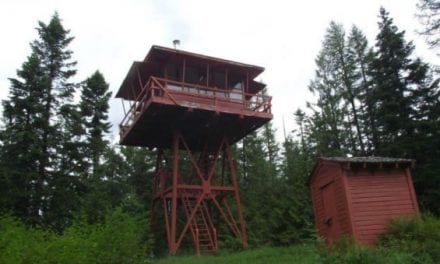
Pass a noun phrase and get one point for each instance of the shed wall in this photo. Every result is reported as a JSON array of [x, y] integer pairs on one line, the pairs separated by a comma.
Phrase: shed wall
[[377, 197], [330, 174]]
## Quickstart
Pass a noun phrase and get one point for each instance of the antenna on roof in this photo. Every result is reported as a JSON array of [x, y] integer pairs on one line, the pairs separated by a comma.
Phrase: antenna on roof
[[176, 43]]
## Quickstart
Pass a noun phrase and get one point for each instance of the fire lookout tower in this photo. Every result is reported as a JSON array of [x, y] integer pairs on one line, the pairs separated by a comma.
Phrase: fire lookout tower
[[191, 108]]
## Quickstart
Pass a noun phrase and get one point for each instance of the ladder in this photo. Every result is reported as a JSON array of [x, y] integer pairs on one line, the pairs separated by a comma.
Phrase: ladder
[[202, 229]]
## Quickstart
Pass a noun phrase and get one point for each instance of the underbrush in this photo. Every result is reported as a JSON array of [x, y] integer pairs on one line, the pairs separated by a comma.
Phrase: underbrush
[[118, 239], [419, 237]]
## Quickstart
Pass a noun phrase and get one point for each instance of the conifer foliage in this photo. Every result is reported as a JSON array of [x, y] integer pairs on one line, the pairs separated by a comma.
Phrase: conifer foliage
[[37, 108], [94, 108], [377, 101], [429, 15], [56, 161]]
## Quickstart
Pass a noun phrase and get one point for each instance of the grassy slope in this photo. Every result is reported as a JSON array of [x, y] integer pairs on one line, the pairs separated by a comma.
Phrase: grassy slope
[[295, 254], [302, 254]]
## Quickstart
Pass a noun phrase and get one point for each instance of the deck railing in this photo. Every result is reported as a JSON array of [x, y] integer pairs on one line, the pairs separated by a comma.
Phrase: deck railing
[[170, 89]]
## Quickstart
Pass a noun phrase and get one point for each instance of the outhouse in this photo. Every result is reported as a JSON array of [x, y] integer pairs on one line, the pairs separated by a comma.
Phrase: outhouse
[[358, 196]]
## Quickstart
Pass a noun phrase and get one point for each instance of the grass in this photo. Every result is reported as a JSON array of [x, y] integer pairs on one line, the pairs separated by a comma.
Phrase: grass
[[305, 253], [407, 241], [294, 254]]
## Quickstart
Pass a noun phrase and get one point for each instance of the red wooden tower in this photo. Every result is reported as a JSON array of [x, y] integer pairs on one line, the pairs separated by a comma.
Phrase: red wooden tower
[[191, 108]]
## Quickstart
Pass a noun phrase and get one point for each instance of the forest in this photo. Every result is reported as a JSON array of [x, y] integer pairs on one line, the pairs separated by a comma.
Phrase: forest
[[70, 195]]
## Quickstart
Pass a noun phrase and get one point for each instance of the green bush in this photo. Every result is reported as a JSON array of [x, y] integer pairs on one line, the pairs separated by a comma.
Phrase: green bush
[[418, 236], [21, 245], [118, 239]]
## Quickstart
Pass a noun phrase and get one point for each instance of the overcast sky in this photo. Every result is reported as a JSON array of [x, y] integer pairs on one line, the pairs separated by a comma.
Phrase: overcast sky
[[282, 36]]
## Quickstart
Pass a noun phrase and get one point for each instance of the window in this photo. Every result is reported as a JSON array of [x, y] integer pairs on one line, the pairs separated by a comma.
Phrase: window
[[217, 80], [173, 72]]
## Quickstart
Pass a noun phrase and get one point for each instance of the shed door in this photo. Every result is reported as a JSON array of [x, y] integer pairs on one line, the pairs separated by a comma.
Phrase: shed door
[[330, 223]]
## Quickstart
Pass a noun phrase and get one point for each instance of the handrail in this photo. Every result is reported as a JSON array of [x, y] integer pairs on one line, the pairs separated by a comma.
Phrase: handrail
[[139, 99], [205, 88], [162, 87], [254, 103]]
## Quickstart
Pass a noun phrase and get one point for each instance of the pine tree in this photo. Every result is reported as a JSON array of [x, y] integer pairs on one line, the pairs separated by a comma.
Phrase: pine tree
[[140, 166], [94, 107], [406, 100], [254, 187], [297, 213], [36, 110], [109, 188], [331, 131], [361, 55], [429, 15], [22, 139], [272, 149], [396, 77]]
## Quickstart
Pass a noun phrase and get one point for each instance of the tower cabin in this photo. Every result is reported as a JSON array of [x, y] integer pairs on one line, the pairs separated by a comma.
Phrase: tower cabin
[[189, 105], [201, 96]]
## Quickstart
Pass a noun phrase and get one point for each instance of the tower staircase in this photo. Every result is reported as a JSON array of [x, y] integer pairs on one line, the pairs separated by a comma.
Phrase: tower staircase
[[202, 229]]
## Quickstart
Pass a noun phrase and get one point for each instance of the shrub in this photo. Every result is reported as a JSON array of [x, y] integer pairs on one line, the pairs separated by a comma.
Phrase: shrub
[[118, 239], [418, 236], [21, 245]]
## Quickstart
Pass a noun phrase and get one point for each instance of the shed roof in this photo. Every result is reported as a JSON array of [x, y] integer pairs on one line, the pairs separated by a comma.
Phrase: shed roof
[[361, 160], [371, 159]]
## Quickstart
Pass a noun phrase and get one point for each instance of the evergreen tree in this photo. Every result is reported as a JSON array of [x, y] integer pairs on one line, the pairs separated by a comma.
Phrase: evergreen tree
[[140, 172], [36, 109], [254, 188], [361, 56], [52, 48], [331, 131], [429, 14], [22, 139], [94, 107], [406, 98], [272, 150], [397, 81], [298, 221], [273, 191], [109, 188]]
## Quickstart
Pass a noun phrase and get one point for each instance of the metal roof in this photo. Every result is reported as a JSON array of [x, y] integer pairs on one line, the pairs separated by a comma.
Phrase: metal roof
[[371, 159], [360, 160], [157, 53]]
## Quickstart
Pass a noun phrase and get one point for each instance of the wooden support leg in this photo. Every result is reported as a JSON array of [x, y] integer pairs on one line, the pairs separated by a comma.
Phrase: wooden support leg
[[173, 248], [237, 197]]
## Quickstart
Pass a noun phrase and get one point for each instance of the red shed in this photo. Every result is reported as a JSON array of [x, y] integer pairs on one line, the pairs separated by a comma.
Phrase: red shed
[[358, 196]]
